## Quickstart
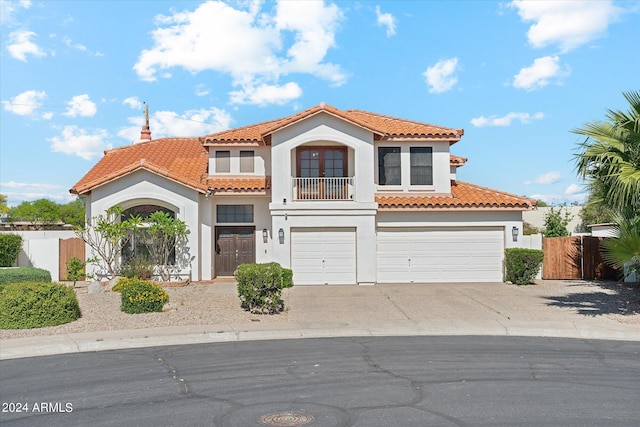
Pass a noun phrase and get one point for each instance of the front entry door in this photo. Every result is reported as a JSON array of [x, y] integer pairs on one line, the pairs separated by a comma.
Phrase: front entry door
[[234, 246]]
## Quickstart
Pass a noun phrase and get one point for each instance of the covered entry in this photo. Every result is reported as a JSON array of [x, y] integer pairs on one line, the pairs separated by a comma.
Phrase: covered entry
[[440, 254], [323, 256], [233, 246]]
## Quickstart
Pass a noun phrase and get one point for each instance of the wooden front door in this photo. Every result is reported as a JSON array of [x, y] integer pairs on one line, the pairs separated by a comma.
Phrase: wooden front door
[[234, 246]]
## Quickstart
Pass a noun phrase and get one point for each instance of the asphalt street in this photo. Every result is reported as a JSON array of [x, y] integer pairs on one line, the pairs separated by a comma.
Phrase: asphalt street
[[359, 381]]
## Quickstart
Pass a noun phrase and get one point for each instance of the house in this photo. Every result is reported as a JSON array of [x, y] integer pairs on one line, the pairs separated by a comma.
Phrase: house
[[339, 196]]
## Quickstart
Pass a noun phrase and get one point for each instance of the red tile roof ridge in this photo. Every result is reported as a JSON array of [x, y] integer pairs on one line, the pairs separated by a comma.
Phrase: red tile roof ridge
[[157, 140]]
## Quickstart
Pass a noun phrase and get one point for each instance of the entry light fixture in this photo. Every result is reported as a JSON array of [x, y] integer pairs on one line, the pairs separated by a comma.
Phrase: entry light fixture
[[514, 233], [265, 235], [284, 201], [281, 235]]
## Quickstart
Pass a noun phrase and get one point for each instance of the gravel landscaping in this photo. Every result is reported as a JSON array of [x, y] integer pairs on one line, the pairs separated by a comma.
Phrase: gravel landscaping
[[218, 303]]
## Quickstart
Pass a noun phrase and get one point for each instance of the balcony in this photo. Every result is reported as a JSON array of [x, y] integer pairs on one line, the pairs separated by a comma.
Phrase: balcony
[[305, 189]]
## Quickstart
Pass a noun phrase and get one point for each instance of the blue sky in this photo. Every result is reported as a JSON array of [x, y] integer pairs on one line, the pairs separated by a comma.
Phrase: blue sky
[[517, 76]]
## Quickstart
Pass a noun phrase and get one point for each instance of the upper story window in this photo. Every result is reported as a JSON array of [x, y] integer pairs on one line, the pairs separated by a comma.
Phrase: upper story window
[[322, 162], [246, 162], [234, 213], [421, 165], [223, 161], [389, 170]]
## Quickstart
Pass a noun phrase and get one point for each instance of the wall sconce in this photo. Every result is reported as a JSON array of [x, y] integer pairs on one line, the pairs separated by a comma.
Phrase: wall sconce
[[208, 193], [281, 236], [284, 201], [265, 235], [514, 233]]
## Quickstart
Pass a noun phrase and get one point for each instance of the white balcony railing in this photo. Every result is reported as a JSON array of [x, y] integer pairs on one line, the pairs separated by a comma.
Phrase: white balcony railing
[[323, 188]]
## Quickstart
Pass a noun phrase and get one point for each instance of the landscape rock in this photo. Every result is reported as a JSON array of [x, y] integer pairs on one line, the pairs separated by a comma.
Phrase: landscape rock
[[95, 288]]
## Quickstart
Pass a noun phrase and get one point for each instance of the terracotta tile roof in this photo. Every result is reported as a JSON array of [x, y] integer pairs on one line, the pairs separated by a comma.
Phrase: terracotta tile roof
[[457, 160], [239, 184], [383, 126], [181, 159], [463, 195]]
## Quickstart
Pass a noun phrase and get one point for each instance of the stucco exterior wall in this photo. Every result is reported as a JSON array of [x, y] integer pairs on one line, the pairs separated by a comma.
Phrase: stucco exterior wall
[[143, 187]]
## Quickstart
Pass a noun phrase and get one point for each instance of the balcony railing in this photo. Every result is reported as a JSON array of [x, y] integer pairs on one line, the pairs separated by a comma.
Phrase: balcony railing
[[323, 188]]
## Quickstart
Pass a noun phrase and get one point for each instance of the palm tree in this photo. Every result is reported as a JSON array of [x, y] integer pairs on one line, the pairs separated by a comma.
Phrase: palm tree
[[624, 251], [609, 158]]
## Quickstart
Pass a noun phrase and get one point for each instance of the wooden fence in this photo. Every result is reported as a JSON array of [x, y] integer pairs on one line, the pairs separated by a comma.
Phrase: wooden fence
[[575, 257], [70, 248]]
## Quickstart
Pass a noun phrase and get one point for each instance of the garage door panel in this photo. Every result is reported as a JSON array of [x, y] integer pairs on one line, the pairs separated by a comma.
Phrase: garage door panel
[[440, 255], [323, 256]]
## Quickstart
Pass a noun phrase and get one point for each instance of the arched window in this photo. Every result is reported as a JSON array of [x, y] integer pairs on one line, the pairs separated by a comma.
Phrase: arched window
[[136, 248]]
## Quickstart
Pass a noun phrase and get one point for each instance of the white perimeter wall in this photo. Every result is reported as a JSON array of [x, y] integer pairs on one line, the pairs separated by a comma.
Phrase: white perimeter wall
[[41, 249]]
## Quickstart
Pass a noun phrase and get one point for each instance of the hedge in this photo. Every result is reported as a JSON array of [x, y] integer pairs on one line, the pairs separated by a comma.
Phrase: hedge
[[10, 245], [36, 305], [24, 274], [522, 265], [260, 286]]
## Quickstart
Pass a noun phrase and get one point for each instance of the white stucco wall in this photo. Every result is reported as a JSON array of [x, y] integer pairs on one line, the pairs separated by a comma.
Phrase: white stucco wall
[[441, 167], [262, 160], [143, 187], [316, 130]]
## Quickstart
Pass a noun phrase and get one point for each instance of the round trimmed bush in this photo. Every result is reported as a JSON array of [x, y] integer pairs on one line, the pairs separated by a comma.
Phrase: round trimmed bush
[[141, 296], [36, 305]]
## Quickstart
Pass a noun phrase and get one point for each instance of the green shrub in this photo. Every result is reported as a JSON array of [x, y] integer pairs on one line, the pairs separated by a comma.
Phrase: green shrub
[[137, 267], [10, 245], [522, 265], [260, 286], [124, 281], [140, 296], [36, 305], [24, 274]]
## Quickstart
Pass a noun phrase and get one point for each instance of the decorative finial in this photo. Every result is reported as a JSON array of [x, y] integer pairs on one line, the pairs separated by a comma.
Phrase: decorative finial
[[145, 133]]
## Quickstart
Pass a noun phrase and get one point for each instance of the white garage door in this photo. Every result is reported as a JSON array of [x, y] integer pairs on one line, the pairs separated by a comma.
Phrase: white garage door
[[440, 255], [323, 256]]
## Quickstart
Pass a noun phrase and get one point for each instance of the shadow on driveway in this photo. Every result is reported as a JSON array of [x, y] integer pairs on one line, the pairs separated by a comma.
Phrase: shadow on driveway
[[601, 297]]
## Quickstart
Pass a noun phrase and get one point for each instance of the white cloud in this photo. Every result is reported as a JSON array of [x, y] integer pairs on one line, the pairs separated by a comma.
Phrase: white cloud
[[82, 106], [266, 94], [133, 102], [188, 124], [440, 77], [258, 47], [574, 189], [539, 73], [386, 20], [20, 45], [546, 178], [9, 7], [568, 24], [25, 103], [524, 118], [202, 90], [77, 141]]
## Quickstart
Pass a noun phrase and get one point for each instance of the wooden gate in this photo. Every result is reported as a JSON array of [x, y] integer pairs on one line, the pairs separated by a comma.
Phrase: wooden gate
[[70, 248], [575, 257]]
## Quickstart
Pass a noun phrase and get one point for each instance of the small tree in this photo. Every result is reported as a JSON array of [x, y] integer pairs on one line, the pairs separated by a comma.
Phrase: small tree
[[163, 235], [555, 223], [38, 212], [106, 235]]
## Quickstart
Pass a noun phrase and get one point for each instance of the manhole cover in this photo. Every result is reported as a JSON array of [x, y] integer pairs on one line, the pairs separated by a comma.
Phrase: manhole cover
[[286, 419]]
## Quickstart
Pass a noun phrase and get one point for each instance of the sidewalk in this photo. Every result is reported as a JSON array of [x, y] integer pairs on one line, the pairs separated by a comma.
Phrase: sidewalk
[[380, 310]]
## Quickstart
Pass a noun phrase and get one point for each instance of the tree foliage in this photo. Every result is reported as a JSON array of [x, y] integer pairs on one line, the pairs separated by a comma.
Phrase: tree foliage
[[107, 234], [555, 223], [4, 208], [44, 211], [609, 157], [163, 234], [624, 251]]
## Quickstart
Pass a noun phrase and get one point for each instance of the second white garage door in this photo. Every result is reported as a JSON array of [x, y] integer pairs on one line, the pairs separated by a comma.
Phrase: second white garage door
[[324, 256], [440, 255]]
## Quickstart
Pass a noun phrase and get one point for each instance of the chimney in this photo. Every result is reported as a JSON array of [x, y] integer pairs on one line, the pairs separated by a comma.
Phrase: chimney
[[145, 133]]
